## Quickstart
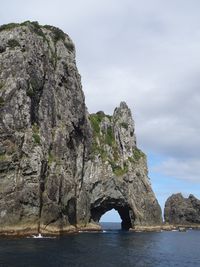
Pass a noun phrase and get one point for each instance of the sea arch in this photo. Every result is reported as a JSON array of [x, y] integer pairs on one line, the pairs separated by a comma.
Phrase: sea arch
[[99, 208]]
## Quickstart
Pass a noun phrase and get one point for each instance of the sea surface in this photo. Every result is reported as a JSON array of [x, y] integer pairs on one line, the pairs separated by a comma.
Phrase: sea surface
[[112, 247]]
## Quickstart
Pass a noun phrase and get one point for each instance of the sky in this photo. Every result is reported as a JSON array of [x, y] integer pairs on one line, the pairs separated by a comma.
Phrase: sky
[[147, 54]]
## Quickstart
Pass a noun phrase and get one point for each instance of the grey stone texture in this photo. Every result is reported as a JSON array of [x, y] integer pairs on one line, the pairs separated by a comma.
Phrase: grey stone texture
[[182, 211], [61, 169]]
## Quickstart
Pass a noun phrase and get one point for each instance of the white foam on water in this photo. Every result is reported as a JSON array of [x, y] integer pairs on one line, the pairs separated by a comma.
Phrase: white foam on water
[[40, 236]]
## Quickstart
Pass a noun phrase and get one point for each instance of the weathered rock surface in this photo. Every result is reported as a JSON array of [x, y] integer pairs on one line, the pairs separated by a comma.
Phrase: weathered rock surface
[[182, 211], [116, 177], [61, 168]]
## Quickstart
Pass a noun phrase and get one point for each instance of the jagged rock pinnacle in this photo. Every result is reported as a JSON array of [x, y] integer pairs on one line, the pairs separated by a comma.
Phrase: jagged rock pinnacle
[[124, 129]]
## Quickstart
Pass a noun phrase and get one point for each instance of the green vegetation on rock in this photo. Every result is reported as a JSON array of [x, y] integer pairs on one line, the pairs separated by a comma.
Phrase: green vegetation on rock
[[38, 29], [1, 85], [100, 139], [60, 35], [105, 137], [36, 136], [7, 27], [109, 137], [35, 27], [95, 120], [118, 170], [51, 158], [30, 92], [137, 155], [34, 24], [124, 125], [2, 102], [57, 35], [12, 43], [34, 89], [3, 157]]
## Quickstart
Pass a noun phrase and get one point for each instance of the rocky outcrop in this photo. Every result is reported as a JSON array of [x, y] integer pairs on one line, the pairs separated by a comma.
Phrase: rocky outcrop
[[182, 211], [116, 177], [61, 168]]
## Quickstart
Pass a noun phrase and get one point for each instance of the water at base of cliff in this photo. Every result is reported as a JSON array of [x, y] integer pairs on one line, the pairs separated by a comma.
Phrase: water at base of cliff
[[112, 247]]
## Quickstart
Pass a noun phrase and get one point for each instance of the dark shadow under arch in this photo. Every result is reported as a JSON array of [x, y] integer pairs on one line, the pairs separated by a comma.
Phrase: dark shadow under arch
[[122, 208]]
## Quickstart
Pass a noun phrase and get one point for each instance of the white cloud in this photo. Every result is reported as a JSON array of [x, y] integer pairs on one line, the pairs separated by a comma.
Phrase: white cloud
[[180, 169]]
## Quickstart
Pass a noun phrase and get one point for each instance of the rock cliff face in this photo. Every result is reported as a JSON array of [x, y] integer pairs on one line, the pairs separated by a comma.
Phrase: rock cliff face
[[116, 177], [61, 168], [182, 211]]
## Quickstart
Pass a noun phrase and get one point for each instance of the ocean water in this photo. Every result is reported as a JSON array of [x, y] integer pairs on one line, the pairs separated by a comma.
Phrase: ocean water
[[113, 247]]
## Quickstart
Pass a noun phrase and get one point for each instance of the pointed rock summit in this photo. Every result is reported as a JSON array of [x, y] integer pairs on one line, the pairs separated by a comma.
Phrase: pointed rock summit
[[61, 169], [124, 130]]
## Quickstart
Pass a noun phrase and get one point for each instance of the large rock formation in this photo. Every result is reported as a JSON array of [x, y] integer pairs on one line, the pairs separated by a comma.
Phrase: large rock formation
[[182, 211], [61, 169], [116, 177]]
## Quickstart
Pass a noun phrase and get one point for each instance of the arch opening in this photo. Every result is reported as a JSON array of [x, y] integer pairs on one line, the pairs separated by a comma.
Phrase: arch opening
[[124, 212], [111, 216], [110, 221]]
